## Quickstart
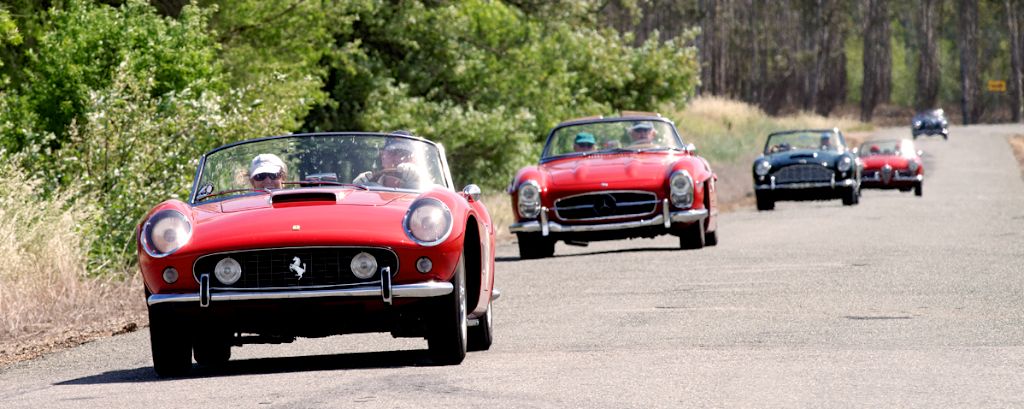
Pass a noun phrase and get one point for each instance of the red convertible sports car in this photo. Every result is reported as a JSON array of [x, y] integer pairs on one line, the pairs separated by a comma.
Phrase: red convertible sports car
[[614, 178], [315, 235], [892, 164]]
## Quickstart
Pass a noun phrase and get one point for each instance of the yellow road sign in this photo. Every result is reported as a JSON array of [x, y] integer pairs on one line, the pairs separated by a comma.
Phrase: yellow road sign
[[997, 85]]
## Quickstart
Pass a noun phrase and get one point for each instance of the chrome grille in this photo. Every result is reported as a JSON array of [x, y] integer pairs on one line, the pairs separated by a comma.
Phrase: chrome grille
[[270, 269], [803, 173], [606, 205]]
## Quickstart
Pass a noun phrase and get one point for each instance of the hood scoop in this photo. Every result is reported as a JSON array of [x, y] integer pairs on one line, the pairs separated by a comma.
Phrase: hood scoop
[[305, 198], [804, 155]]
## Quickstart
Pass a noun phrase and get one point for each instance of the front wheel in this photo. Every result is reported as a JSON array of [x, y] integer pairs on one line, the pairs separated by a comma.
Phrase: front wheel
[[212, 349], [917, 189], [692, 237], [172, 350], [850, 196], [764, 202], [534, 246], [446, 340], [482, 335]]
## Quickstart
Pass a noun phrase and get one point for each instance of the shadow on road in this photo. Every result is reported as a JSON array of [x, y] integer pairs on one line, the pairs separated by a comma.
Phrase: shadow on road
[[365, 360], [507, 259]]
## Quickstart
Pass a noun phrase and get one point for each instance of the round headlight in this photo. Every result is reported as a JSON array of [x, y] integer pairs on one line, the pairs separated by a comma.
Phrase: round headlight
[[762, 168], [529, 199], [428, 222], [165, 232], [227, 271], [363, 265], [844, 164], [912, 165], [681, 189]]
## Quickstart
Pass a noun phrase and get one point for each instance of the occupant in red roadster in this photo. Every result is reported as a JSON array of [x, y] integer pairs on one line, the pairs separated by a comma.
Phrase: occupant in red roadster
[[642, 135], [398, 167], [267, 171]]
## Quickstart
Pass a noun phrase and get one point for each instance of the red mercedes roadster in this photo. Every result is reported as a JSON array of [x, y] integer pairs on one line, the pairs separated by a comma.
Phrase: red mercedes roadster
[[614, 178], [892, 164], [314, 235]]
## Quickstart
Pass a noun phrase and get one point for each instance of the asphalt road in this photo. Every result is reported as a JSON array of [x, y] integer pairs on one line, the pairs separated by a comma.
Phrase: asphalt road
[[897, 302]]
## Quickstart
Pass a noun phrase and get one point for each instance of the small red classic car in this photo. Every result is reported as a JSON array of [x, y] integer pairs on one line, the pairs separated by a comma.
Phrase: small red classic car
[[892, 164], [315, 235], [614, 178]]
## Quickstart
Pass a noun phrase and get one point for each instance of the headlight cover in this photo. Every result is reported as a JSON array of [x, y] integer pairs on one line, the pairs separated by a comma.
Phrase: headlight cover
[[912, 165], [917, 124], [529, 199], [844, 164], [165, 232], [762, 167], [681, 189], [428, 222]]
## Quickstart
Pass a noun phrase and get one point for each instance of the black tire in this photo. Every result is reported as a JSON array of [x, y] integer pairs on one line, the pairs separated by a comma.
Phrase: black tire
[[212, 349], [850, 196], [482, 335], [917, 189], [171, 346], [945, 137], [711, 238], [764, 202], [534, 246], [692, 237], [447, 338]]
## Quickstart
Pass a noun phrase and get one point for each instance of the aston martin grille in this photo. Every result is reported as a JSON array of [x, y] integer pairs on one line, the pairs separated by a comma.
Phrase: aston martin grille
[[269, 269], [600, 205], [803, 173]]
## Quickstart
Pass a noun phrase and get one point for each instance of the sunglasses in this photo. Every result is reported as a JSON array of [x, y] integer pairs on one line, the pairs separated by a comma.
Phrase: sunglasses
[[260, 176], [585, 145]]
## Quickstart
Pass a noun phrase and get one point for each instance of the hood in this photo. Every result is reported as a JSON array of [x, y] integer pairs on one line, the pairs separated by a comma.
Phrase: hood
[[877, 161], [616, 171], [356, 217], [803, 156]]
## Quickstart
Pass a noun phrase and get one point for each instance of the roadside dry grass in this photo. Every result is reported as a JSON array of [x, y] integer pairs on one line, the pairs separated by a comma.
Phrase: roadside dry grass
[[46, 298], [1017, 143]]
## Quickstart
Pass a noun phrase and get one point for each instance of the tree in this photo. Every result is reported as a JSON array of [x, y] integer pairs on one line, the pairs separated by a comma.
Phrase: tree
[[1013, 22], [877, 81], [927, 18], [970, 78]]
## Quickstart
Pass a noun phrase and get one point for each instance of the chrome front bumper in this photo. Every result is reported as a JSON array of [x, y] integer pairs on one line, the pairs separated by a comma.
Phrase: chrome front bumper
[[806, 185], [895, 178], [418, 290], [666, 218]]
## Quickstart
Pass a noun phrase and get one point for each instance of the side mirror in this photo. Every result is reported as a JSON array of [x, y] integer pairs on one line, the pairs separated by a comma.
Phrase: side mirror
[[471, 192], [691, 148]]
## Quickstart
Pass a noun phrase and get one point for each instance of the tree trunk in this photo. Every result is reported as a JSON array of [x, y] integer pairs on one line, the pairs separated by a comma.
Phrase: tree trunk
[[970, 78], [1013, 16], [877, 58], [927, 93], [710, 50]]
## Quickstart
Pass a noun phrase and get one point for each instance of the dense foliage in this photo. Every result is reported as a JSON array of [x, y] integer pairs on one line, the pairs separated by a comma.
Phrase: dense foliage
[[118, 99]]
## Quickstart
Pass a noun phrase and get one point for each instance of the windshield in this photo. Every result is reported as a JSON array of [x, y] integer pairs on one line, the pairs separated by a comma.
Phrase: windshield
[[611, 137], [902, 148], [369, 161], [816, 140]]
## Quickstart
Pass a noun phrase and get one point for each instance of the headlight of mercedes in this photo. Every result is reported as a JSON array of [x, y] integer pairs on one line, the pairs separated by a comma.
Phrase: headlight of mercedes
[[529, 199], [844, 164], [165, 232], [912, 166], [762, 168], [428, 222], [681, 189]]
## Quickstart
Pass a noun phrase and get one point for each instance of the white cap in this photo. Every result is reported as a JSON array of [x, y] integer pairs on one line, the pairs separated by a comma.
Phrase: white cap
[[266, 163]]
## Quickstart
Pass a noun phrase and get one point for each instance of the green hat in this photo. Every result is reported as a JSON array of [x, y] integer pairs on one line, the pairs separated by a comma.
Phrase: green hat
[[585, 137]]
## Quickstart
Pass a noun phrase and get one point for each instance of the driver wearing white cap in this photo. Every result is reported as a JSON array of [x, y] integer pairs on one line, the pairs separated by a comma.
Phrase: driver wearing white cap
[[267, 171], [399, 170]]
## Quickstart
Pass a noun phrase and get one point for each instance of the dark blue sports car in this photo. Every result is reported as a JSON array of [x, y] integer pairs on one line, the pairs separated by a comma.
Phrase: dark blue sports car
[[810, 164]]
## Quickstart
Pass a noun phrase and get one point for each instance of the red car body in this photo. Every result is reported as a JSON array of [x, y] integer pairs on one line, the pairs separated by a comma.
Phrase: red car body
[[634, 183], [308, 232], [892, 164]]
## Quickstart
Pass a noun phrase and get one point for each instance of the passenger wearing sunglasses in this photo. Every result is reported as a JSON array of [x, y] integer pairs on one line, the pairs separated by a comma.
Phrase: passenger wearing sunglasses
[[584, 142], [267, 171]]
